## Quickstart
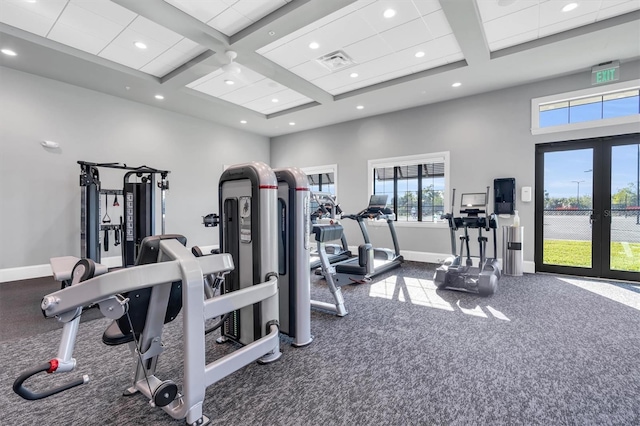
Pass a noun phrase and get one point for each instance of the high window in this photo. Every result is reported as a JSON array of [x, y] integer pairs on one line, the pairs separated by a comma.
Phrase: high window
[[594, 107], [416, 186]]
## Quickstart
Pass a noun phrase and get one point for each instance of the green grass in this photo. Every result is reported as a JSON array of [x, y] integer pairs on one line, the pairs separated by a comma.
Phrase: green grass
[[624, 257]]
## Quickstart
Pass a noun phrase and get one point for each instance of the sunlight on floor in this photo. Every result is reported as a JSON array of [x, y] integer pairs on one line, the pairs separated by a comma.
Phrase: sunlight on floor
[[423, 292], [610, 291]]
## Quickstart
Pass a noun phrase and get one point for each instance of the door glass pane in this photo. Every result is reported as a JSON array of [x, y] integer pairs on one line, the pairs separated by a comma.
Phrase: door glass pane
[[568, 205], [625, 208]]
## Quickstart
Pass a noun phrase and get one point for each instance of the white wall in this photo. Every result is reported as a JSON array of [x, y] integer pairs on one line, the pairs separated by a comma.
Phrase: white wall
[[39, 188], [488, 136]]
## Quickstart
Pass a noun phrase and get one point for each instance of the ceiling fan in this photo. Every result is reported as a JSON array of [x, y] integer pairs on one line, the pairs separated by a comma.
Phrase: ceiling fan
[[232, 71]]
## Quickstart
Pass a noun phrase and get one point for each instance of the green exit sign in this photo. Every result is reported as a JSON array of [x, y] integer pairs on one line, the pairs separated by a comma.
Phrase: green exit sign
[[605, 73]]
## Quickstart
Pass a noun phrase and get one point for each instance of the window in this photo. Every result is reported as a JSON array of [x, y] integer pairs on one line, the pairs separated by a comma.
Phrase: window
[[416, 186], [588, 108], [322, 178]]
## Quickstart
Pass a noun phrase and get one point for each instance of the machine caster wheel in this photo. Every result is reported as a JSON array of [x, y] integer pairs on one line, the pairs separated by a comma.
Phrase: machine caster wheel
[[165, 393]]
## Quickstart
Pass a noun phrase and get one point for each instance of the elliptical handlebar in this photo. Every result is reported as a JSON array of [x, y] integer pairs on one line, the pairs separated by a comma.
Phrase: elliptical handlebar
[[487, 220], [49, 367]]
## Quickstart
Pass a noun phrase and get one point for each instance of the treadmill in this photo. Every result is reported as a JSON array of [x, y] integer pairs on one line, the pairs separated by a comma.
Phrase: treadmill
[[325, 211], [371, 261]]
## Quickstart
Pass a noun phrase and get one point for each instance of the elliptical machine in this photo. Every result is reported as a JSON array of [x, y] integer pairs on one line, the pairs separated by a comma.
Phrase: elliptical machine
[[452, 274]]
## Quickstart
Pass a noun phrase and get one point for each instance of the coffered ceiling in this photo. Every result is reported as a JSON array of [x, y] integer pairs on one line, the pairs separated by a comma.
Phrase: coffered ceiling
[[277, 66]]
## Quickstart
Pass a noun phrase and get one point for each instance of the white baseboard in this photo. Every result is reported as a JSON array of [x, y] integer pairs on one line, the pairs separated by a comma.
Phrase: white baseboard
[[37, 271], [25, 273], [426, 257], [44, 270]]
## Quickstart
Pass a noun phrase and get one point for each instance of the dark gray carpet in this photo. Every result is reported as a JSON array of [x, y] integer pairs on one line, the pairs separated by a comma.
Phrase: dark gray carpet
[[545, 350], [20, 313]]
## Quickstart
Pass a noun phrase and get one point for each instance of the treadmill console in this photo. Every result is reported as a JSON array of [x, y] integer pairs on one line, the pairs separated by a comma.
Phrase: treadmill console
[[377, 204], [473, 203]]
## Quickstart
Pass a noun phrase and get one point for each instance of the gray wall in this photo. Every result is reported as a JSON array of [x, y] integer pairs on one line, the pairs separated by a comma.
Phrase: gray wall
[[488, 137], [39, 189]]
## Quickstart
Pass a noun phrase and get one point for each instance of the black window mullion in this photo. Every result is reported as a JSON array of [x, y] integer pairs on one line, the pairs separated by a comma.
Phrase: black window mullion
[[419, 192], [320, 182], [396, 172]]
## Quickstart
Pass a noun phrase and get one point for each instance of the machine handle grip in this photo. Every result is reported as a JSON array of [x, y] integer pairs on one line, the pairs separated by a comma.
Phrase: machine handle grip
[[49, 367]]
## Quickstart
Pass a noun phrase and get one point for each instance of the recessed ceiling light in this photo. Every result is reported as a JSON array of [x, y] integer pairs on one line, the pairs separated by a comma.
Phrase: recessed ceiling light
[[313, 45], [456, 84], [159, 97], [292, 124], [243, 121], [30, 1], [419, 54], [353, 74], [272, 33], [569, 7], [359, 107], [389, 13], [230, 82], [140, 45], [8, 52], [274, 100]]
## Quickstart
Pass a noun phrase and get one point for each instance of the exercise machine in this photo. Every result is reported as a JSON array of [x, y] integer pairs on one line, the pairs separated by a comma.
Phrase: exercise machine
[[455, 275], [142, 298], [371, 261], [138, 195], [325, 210], [325, 233], [294, 248], [293, 255]]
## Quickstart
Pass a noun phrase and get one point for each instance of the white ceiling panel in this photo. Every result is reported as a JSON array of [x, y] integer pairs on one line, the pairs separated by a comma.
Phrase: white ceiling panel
[[257, 9], [230, 22], [36, 18], [123, 51], [152, 32], [426, 7], [514, 40], [310, 70], [199, 9], [377, 45], [521, 21], [286, 99], [84, 30], [368, 49], [107, 10], [339, 33], [551, 13], [613, 8], [71, 36], [490, 10], [558, 27], [437, 24], [373, 14], [180, 53], [254, 91], [397, 37]]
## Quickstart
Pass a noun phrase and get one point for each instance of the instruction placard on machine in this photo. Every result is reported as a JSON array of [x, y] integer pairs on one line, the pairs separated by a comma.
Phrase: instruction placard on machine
[[129, 216], [245, 219]]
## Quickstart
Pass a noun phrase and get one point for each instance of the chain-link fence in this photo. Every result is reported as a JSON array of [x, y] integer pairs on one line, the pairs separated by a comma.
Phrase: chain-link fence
[[568, 236]]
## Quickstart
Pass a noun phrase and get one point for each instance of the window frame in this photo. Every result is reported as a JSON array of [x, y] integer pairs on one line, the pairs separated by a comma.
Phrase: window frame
[[578, 94], [410, 160]]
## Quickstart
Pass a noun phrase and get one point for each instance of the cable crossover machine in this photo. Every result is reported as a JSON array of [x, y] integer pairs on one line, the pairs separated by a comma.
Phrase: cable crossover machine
[[137, 221]]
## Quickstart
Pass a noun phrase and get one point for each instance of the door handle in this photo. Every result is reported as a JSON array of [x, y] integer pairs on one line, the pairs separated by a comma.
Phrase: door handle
[[592, 218]]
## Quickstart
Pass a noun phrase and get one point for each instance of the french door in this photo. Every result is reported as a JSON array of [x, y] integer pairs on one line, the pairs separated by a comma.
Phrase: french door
[[588, 207]]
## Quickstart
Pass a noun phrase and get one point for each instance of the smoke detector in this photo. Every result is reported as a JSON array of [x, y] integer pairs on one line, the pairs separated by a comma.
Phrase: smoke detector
[[336, 61]]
